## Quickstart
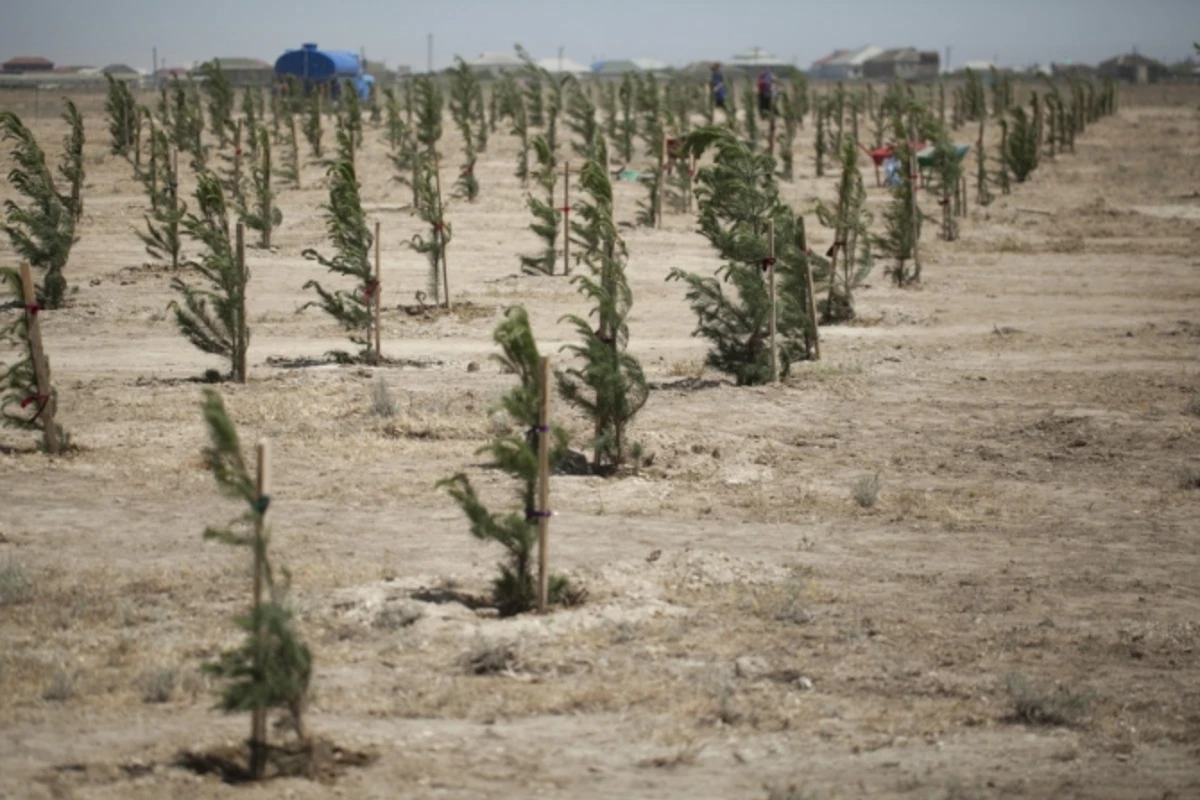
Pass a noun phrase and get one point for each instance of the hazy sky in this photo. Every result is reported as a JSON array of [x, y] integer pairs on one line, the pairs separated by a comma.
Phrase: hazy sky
[[100, 32]]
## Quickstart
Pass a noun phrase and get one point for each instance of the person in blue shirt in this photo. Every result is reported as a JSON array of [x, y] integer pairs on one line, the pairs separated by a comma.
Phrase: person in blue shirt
[[718, 86]]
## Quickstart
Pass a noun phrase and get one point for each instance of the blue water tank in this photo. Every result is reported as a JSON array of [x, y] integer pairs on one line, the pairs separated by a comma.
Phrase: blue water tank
[[310, 64]]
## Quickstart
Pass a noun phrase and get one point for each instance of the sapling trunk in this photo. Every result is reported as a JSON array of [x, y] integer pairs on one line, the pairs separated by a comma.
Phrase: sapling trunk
[[820, 143], [983, 195], [520, 129], [628, 123], [429, 208]]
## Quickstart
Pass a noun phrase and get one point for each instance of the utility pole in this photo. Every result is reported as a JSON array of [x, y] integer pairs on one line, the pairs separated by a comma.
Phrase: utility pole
[[560, 54], [154, 71], [946, 68], [430, 53]]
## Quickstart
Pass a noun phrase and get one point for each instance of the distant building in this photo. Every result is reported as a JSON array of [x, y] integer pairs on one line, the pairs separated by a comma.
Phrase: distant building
[[565, 66], [899, 62], [929, 65], [1070, 70], [619, 66], [755, 60], [121, 71], [23, 64], [1132, 68], [242, 71], [844, 65], [496, 64]]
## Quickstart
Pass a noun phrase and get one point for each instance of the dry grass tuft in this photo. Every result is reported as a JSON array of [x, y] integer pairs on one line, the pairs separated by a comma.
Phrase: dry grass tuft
[[15, 588], [157, 685], [865, 490], [488, 657], [1032, 706]]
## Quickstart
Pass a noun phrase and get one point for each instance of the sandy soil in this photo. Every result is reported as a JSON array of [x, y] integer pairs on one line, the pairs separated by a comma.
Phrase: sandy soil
[[1029, 410]]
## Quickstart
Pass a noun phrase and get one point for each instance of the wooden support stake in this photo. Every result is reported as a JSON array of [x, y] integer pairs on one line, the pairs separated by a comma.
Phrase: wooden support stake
[[378, 293], [258, 718], [566, 218], [239, 338], [437, 175], [38, 357], [810, 290], [771, 289], [543, 493], [771, 130]]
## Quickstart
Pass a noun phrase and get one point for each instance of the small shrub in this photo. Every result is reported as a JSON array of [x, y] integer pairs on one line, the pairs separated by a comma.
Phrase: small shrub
[[1189, 477], [61, 686], [865, 490], [1032, 706], [15, 588], [399, 616], [157, 685], [382, 403], [1193, 406], [487, 657]]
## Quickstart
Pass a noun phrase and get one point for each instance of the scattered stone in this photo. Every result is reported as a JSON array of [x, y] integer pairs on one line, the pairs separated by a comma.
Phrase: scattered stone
[[473, 366], [574, 463], [751, 667]]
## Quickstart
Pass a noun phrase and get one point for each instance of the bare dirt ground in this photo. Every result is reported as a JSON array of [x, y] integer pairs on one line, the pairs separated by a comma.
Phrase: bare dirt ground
[[1030, 410]]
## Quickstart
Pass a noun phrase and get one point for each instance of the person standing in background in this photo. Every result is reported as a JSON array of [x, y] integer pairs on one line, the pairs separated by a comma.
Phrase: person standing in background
[[766, 93], [718, 87]]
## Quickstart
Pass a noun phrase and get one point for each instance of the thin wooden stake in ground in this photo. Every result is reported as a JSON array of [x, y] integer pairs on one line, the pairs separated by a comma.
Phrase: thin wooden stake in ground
[[566, 209], [38, 357], [771, 289], [543, 509], [258, 718], [378, 292], [239, 344], [810, 290]]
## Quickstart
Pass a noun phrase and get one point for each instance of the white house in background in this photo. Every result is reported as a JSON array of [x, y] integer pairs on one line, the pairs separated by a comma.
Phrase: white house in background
[[981, 66], [757, 58], [619, 66], [554, 66], [846, 65], [496, 63]]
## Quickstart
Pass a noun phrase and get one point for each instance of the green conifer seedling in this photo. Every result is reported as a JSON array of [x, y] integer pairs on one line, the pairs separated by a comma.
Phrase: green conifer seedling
[[609, 385], [516, 455], [1021, 146], [546, 218], [72, 169], [164, 223], [739, 199], [902, 217], [464, 90], [264, 216], [849, 220], [212, 316], [42, 231], [430, 209], [347, 227], [313, 128], [628, 126], [272, 668], [220, 100], [520, 129], [120, 107]]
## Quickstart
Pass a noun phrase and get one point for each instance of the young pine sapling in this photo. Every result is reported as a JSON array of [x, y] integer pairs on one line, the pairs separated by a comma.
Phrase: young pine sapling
[[212, 316]]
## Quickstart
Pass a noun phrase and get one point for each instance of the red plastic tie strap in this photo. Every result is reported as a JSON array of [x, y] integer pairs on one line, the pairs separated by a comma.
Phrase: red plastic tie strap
[[41, 399], [439, 227], [565, 209], [32, 309], [370, 289], [768, 262], [237, 152]]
